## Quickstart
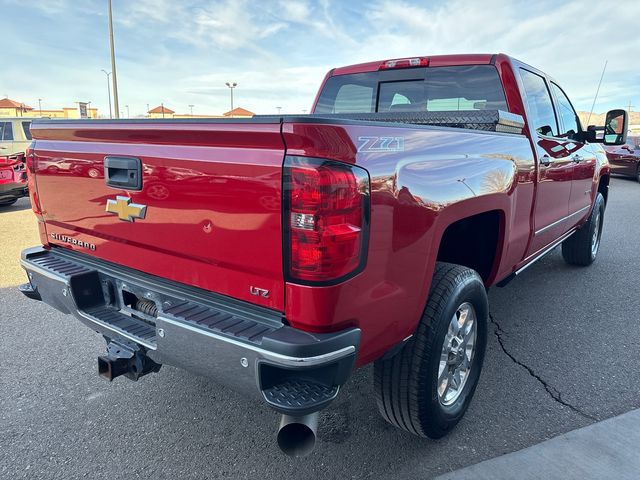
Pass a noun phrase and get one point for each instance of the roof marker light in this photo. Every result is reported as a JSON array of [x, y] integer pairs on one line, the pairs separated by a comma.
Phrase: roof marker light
[[404, 63]]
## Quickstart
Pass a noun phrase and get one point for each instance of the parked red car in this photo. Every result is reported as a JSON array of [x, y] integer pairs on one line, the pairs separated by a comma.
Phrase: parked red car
[[625, 159], [13, 179], [308, 245]]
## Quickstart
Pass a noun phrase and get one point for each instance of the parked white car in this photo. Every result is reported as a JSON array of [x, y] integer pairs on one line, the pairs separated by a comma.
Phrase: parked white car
[[15, 135]]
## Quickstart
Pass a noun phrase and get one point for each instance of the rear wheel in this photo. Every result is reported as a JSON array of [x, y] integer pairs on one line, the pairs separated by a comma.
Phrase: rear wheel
[[582, 247], [427, 387]]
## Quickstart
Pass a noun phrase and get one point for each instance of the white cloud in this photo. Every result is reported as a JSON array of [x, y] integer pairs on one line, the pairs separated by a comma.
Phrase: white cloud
[[182, 52]]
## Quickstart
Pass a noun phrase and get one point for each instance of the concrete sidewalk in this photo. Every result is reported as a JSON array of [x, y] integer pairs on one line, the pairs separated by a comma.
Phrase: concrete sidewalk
[[603, 450]]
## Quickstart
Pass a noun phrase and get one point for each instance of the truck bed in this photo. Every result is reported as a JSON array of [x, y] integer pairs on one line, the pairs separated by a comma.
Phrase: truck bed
[[210, 204]]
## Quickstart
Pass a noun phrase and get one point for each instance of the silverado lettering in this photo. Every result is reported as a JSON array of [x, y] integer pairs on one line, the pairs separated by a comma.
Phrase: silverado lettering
[[374, 227], [72, 241]]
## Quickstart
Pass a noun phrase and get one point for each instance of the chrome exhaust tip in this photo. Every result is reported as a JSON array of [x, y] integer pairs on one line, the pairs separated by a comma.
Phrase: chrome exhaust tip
[[297, 435]]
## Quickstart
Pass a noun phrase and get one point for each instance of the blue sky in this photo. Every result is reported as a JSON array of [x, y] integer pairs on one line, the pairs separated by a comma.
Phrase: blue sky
[[183, 52]]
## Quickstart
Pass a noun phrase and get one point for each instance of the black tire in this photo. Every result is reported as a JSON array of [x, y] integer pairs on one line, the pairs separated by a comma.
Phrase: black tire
[[579, 248], [406, 384], [7, 203], [638, 173]]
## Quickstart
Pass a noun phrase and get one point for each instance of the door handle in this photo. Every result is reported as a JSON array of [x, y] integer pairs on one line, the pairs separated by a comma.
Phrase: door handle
[[123, 172], [545, 160], [577, 158]]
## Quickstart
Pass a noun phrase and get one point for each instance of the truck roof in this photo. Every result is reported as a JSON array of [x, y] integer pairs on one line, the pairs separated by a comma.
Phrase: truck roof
[[433, 60]]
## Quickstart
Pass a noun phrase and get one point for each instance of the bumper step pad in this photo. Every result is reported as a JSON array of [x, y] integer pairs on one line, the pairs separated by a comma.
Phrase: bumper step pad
[[299, 396], [220, 322]]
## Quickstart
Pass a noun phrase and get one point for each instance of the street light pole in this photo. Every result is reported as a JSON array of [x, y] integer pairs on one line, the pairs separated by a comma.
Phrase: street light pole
[[231, 86], [108, 90], [278, 108], [127, 107], [113, 63], [191, 108], [40, 106]]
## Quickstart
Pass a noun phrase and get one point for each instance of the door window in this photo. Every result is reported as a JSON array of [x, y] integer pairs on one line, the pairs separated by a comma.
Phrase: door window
[[26, 128], [569, 126], [539, 106]]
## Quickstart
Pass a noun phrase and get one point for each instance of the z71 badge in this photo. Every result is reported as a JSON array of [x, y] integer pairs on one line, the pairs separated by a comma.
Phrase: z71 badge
[[380, 144]]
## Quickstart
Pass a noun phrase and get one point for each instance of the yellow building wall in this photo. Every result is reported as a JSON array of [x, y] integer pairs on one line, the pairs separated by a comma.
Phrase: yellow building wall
[[160, 115], [66, 112]]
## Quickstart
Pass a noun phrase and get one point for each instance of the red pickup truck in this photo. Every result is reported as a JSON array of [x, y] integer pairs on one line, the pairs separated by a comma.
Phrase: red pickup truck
[[276, 254]]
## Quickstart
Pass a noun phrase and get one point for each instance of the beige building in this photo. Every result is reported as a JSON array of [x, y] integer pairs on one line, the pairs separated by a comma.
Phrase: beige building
[[238, 113], [12, 108], [162, 111]]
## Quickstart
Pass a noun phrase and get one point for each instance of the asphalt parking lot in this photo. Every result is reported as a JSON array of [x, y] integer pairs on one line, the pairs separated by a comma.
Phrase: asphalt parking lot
[[562, 355]]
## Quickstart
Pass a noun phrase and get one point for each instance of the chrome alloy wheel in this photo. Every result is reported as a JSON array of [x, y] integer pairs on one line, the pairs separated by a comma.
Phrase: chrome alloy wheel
[[457, 354], [595, 238]]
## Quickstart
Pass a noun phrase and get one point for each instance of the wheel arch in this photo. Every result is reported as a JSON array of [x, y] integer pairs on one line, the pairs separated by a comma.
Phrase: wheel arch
[[475, 241], [603, 186]]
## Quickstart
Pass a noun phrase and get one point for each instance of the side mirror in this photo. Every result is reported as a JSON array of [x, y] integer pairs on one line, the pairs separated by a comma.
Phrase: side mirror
[[615, 127]]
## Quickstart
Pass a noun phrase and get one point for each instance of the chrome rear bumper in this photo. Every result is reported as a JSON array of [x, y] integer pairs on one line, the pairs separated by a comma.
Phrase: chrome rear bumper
[[248, 348]]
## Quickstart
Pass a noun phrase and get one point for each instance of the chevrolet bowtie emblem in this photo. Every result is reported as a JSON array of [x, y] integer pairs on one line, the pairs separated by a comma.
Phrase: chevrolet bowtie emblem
[[126, 210]]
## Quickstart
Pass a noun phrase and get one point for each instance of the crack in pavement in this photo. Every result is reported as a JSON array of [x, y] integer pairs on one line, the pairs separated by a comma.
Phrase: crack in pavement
[[554, 393]]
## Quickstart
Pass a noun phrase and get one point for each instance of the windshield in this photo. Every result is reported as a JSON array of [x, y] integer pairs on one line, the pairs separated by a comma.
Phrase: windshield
[[436, 89]]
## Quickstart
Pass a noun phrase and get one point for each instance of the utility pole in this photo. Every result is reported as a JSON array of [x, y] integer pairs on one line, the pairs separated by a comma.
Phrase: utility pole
[[630, 107], [278, 108], [127, 107], [108, 91], [148, 110], [162, 108], [113, 63], [191, 108], [231, 86]]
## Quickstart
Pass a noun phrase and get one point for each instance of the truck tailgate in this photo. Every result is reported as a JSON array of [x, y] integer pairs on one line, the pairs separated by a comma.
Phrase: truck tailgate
[[208, 213]]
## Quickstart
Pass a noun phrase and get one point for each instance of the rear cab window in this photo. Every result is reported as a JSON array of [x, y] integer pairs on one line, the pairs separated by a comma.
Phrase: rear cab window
[[433, 89]]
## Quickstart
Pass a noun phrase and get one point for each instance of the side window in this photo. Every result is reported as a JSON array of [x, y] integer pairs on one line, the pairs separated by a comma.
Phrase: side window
[[539, 105], [7, 132], [26, 128], [569, 127], [399, 99]]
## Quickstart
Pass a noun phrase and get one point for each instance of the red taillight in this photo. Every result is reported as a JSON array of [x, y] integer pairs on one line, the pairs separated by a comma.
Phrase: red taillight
[[404, 63], [327, 219], [31, 170], [29, 155]]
